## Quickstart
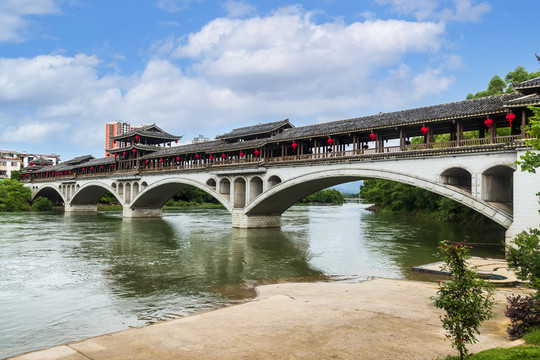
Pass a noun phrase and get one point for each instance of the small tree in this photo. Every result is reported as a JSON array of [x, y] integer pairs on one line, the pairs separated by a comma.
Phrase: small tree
[[42, 204], [467, 300]]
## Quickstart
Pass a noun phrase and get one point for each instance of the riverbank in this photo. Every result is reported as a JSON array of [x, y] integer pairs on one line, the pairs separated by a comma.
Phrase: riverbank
[[376, 319]]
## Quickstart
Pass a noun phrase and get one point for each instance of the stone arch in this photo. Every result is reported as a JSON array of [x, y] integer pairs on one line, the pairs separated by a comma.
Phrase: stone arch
[[90, 193], [458, 177], [225, 188], [239, 188], [255, 187], [273, 181], [497, 184], [283, 195], [51, 193], [211, 183], [156, 195]]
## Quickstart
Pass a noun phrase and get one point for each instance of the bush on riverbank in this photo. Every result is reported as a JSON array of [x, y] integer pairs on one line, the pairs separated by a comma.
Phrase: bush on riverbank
[[328, 196], [390, 196], [14, 196], [42, 204]]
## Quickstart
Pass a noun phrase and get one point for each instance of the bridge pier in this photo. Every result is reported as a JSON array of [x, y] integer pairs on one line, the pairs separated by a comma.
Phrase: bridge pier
[[80, 208], [128, 212], [243, 221]]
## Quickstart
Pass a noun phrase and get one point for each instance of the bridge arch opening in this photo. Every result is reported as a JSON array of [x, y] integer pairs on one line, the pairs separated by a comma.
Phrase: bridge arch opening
[[255, 187], [457, 177], [239, 192], [273, 181], [50, 193], [91, 194], [498, 185], [225, 188]]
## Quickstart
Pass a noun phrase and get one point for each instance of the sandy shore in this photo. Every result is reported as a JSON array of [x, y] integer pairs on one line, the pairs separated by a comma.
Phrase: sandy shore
[[377, 319]]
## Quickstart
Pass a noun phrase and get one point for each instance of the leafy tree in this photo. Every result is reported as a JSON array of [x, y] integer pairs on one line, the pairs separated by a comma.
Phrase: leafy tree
[[194, 194], [531, 160], [467, 300], [14, 196], [108, 198], [42, 204], [328, 196], [498, 86], [15, 175]]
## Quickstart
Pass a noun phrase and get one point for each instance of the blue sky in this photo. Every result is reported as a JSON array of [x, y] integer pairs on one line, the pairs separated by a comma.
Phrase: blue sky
[[193, 67]]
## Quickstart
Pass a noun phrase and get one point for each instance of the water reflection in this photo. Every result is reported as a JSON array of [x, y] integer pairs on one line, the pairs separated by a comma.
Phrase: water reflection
[[69, 277]]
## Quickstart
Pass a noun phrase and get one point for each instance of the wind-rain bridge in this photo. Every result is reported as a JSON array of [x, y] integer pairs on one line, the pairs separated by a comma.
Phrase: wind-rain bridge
[[467, 152]]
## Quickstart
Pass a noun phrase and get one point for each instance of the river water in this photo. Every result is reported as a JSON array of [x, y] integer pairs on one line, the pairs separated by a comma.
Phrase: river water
[[69, 277]]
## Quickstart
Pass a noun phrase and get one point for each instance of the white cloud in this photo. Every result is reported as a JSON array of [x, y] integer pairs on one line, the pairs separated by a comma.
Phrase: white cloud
[[14, 13], [174, 5], [238, 8], [445, 10]]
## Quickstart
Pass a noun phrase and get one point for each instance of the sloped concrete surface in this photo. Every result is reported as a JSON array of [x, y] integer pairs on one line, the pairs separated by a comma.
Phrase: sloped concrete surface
[[377, 319]]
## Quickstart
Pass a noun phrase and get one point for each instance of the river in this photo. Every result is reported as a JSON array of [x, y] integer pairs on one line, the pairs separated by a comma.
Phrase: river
[[69, 277]]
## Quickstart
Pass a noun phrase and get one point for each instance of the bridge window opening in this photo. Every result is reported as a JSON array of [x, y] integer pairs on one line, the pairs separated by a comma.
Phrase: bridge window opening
[[457, 177], [211, 183], [144, 185], [225, 188], [239, 193], [255, 187], [273, 181], [497, 185]]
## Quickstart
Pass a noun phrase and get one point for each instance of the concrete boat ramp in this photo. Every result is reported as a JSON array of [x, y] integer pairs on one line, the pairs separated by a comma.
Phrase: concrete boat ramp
[[376, 319]]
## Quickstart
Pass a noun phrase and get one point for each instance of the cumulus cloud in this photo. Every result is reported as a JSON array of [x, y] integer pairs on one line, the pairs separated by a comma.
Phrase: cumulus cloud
[[14, 13], [238, 8], [446, 10]]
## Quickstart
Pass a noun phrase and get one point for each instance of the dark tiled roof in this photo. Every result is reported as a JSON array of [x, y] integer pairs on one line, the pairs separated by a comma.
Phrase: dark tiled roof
[[528, 84], [428, 114], [42, 160], [136, 146], [527, 100], [152, 131], [255, 129], [78, 160]]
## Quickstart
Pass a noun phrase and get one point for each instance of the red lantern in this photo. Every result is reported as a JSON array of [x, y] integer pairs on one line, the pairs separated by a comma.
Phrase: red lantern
[[137, 138], [176, 141], [115, 155], [256, 152], [223, 156], [294, 145], [510, 117], [124, 153], [134, 151], [197, 156], [241, 154], [112, 165], [70, 172], [424, 130], [160, 160], [92, 168], [488, 123], [83, 169], [372, 136], [101, 168], [146, 162], [178, 158], [114, 142], [211, 158]]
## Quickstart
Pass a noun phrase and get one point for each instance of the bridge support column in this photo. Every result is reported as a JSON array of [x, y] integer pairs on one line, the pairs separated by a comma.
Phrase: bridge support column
[[128, 212], [526, 206], [243, 221], [80, 208]]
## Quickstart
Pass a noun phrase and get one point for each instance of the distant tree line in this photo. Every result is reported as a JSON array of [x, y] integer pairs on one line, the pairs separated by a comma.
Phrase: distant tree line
[[328, 196]]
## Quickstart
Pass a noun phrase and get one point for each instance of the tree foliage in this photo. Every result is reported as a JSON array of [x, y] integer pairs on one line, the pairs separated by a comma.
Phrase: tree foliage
[[498, 86], [14, 196], [328, 196], [398, 197], [42, 204], [15, 175], [531, 160], [467, 300]]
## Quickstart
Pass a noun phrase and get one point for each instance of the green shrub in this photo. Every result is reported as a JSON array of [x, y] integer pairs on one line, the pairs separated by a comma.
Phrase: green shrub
[[42, 204]]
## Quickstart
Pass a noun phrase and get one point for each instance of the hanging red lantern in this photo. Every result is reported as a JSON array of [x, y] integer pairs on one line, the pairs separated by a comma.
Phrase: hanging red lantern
[[488, 123], [424, 130], [115, 155], [211, 158], [294, 145], [176, 141], [92, 168], [114, 142], [197, 156], [146, 162], [70, 172], [372, 136], [137, 138], [241, 154], [223, 156], [510, 117], [101, 168], [330, 142], [124, 153], [160, 160], [178, 158], [134, 151], [112, 165], [83, 169], [256, 152]]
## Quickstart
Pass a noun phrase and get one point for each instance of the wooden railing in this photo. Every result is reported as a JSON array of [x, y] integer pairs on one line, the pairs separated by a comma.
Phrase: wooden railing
[[467, 145]]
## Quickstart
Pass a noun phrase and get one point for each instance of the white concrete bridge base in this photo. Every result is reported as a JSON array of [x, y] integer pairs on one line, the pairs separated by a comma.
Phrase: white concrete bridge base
[[243, 221], [80, 208], [141, 212]]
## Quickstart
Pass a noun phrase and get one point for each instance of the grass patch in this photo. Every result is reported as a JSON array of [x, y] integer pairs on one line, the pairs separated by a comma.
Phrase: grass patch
[[533, 337], [513, 353]]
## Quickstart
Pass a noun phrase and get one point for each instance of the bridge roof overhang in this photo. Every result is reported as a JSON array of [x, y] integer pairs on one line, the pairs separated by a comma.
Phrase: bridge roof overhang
[[152, 134]]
